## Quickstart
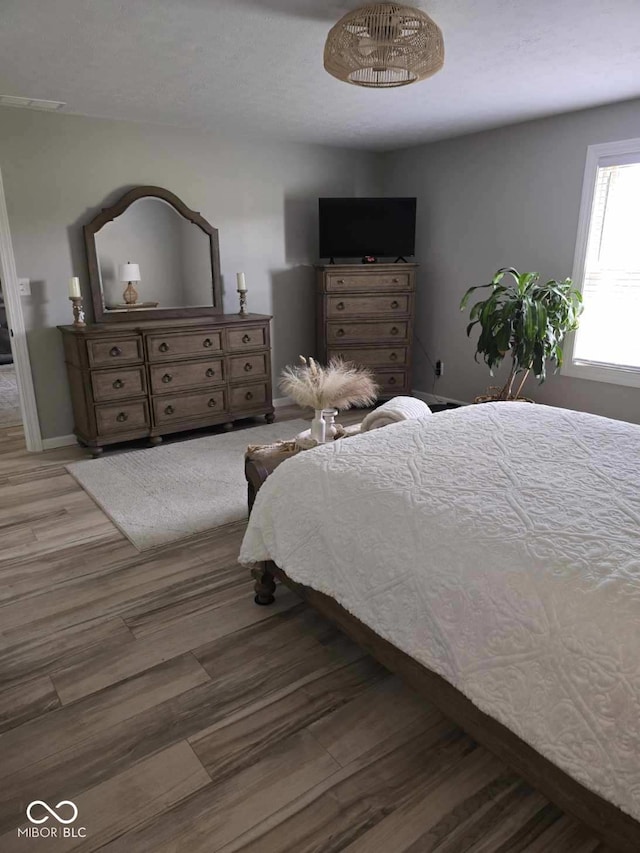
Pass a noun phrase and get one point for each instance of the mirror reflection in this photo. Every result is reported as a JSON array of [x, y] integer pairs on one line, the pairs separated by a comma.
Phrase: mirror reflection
[[151, 257]]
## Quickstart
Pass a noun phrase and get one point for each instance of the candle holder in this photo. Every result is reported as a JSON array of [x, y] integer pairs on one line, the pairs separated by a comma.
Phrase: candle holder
[[242, 295], [78, 311]]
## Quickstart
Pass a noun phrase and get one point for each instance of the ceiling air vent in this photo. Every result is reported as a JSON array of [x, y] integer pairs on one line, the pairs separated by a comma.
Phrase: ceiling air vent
[[30, 103]]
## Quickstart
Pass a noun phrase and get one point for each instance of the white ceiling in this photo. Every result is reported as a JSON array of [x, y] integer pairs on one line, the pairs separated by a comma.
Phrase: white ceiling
[[256, 65]]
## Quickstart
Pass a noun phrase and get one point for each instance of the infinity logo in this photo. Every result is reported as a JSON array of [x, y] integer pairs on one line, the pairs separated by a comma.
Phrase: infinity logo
[[52, 812]]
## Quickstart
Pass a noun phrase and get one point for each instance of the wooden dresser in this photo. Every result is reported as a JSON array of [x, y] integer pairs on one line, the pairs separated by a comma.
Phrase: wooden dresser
[[365, 315], [152, 378]]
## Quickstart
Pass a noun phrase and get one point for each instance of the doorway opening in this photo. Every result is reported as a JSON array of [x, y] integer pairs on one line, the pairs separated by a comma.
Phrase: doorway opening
[[17, 395], [10, 414]]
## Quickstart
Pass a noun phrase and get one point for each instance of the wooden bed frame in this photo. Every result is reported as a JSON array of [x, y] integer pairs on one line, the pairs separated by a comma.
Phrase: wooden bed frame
[[617, 829]]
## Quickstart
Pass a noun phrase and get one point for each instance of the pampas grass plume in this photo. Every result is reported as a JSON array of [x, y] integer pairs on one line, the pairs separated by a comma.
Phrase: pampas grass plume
[[339, 385]]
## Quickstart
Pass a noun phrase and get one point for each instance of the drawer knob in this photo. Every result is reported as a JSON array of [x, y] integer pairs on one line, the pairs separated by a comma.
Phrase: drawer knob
[[210, 372], [118, 384], [248, 367], [114, 352], [122, 417], [340, 306], [395, 304], [393, 356], [393, 330], [340, 281], [392, 380], [169, 410], [164, 347], [248, 396], [212, 403], [395, 280], [246, 339], [167, 378], [207, 342], [340, 333]]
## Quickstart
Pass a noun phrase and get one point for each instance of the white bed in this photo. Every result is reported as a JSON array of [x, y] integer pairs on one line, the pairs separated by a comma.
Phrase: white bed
[[498, 545]]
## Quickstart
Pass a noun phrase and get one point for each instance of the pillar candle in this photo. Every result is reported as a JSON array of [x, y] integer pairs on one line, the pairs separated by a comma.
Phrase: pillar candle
[[242, 284], [74, 287]]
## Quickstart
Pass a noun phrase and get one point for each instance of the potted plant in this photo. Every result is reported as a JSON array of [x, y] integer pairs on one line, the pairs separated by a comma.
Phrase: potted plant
[[526, 319]]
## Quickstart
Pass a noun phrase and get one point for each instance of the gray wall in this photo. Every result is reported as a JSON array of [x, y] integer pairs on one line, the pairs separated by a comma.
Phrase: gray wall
[[507, 197], [59, 170]]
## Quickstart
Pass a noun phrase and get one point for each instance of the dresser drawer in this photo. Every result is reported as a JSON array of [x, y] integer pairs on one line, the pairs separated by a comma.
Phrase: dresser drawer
[[168, 347], [391, 382], [348, 333], [243, 367], [123, 417], [184, 407], [114, 351], [115, 384], [182, 375], [381, 356], [248, 396], [245, 338], [349, 306], [367, 280]]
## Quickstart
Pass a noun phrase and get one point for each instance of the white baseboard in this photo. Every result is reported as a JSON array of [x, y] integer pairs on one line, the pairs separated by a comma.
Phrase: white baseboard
[[58, 441], [437, 398], [282, 401], [68, 440]]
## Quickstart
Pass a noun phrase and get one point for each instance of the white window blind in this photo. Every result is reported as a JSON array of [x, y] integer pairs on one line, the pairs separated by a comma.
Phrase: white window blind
[[609, 333]]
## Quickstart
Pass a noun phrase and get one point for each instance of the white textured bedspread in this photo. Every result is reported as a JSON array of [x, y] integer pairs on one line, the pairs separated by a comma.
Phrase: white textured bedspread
[[499, 545]]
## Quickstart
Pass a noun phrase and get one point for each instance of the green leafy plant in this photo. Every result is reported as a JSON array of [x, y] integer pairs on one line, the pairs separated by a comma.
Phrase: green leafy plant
[[523, 318]]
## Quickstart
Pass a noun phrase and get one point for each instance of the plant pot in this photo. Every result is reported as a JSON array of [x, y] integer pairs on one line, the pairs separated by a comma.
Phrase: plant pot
[[495, 398]]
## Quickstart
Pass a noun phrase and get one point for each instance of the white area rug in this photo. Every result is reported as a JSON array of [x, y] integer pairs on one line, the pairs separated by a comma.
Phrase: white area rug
[[171, 492], [9, 403]]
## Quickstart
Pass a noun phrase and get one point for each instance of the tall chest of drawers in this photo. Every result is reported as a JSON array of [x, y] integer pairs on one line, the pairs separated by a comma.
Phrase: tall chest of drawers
[[365, 315], [150, 379]]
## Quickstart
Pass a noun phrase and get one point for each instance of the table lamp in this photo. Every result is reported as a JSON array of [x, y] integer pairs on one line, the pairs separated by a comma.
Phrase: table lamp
[[129, 272]]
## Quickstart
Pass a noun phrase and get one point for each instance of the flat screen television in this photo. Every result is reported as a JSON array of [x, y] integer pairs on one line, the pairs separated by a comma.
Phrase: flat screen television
[[367, 227]]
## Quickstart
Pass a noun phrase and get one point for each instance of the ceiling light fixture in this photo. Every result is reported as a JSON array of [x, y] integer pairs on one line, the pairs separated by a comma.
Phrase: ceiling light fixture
[[384, 45]]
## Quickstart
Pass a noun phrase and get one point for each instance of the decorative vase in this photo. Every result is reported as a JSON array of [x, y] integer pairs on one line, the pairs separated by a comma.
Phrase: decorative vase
[[319, 427], [329, 416]]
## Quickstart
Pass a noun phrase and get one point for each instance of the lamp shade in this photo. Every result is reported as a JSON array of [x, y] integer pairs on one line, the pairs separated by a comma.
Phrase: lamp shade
[[384, 45], [129, 272]]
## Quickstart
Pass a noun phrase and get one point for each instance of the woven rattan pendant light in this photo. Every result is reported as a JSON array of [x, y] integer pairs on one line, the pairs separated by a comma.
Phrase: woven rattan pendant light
[[384, 45]]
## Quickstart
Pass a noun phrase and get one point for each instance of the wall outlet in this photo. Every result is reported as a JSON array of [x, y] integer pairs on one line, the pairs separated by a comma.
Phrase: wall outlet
[[439, 367], [24, 286]]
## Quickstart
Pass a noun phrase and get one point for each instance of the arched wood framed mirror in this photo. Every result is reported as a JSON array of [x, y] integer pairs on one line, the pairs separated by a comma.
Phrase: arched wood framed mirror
[[151, 257]]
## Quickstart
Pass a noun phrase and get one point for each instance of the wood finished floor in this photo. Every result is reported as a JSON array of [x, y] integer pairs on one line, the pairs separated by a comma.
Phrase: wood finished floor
[[179, 716]]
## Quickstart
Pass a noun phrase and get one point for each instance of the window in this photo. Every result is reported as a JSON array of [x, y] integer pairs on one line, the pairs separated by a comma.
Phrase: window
[[606, 347]]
